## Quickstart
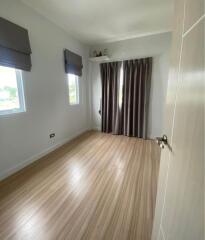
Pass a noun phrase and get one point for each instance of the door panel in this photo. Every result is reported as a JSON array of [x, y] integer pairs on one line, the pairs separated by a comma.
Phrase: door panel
[[183, 212], [169, 113], [180, 197], [160, 194], [161, 236], [194, 10]]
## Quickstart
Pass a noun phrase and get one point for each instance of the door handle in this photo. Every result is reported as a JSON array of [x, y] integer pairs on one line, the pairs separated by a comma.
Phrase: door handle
[[162, 141]]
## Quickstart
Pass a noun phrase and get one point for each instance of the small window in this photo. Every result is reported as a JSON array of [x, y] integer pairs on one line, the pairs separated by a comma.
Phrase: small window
[[73, 89], [11, 91]]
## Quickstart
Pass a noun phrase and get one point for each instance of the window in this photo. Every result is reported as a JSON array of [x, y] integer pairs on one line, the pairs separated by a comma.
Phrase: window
[[11, 91], [73, 89]]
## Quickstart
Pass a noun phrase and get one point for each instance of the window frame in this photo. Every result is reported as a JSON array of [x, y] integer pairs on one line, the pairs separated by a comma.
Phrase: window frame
[[21, 96], [77, 83]]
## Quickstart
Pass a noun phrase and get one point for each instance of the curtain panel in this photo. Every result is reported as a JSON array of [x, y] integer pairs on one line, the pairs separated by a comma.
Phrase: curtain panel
[[110, 112], [128, 115], [136, 92]]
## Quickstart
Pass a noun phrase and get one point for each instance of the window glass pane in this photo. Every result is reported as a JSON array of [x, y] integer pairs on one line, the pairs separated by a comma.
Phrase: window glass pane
[[73, 89], [9, 96]]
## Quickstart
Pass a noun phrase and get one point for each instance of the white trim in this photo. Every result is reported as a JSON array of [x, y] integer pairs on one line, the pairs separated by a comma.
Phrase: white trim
[[37, 156], [9, 112], [20, 86], [193, 26]]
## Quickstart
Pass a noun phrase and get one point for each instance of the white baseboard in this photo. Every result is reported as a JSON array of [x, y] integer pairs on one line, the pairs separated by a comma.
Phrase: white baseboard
[[37, 156], [97, 128]]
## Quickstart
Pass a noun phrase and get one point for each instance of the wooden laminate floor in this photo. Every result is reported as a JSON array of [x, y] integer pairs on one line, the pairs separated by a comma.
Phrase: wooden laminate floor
[[98, 186]]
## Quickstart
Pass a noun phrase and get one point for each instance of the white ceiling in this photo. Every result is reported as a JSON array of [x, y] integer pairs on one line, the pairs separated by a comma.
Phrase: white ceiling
[[94, 21]]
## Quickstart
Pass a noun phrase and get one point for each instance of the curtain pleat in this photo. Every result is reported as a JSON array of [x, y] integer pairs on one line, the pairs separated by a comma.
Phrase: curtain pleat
[[110, 73], [136, 91]]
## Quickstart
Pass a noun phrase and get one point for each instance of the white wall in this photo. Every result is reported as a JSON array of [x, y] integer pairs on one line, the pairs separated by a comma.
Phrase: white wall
[[25, 136], [157, 46]]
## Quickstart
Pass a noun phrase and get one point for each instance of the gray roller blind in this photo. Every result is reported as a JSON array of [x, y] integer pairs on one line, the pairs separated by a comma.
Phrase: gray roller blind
[[15, 47], [73, 63]]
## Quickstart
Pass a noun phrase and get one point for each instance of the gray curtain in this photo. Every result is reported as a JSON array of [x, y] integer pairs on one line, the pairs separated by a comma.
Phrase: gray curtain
[[110, 112], [136, 91]]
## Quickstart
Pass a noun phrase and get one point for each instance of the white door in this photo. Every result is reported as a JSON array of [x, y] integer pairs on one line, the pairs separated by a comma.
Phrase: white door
[[179, 213]]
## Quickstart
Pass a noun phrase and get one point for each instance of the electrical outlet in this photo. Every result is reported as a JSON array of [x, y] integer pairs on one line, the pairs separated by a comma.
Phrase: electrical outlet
[[52, 135]]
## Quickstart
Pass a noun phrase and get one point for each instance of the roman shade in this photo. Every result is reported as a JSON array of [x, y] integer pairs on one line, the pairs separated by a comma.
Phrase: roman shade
[[73, 63], [15, 47]]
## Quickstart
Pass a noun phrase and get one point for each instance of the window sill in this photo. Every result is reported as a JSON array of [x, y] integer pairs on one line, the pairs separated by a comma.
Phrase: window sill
[[11, 113], [74, 105]]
